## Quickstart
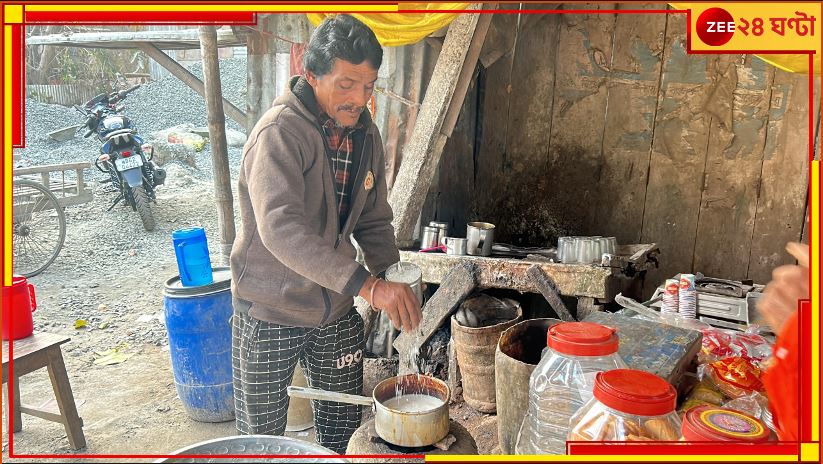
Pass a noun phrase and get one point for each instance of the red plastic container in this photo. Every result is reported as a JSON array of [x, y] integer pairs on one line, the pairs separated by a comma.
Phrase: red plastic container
[[708, 423], [582, 339], [18, 304], [635, 392]]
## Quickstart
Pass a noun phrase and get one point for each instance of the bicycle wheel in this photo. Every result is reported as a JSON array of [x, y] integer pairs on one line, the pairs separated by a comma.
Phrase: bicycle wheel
[[39, 227]]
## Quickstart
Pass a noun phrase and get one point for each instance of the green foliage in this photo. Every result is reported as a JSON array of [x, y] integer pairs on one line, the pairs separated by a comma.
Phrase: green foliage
[[94, 66]]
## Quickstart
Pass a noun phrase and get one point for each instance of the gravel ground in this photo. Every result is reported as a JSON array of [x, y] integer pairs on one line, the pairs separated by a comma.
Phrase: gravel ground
[[171, 102]]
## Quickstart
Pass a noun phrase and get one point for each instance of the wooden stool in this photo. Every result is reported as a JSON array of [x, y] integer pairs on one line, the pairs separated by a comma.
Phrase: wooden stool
[[35, 352]]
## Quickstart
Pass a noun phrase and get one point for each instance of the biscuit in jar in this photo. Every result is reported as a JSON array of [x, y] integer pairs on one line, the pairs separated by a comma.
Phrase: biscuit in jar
[[660, 429], [632, 428], [590, 430]]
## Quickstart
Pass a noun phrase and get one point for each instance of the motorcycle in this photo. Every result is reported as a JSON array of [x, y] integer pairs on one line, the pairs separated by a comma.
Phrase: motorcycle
[[124, 158]]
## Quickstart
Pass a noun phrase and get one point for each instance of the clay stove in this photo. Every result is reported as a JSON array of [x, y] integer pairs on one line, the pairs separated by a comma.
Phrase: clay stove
[[366, 441]]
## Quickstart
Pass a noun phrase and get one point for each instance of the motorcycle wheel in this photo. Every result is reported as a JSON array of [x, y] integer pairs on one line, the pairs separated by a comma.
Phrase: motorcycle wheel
[[141, 202]]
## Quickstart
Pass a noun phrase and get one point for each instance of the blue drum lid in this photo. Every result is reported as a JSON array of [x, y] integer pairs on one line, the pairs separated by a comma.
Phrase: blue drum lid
[[222, 281]]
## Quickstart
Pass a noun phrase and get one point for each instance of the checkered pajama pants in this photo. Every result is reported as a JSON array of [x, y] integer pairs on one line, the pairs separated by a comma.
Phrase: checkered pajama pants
[[263, 360]]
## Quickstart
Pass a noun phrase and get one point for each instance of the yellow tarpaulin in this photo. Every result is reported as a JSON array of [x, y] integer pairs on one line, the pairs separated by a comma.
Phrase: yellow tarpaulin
[[791, 63], [395, 29]]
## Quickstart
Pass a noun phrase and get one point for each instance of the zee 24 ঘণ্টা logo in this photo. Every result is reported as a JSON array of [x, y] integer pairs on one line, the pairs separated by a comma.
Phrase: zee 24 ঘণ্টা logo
[[716, 26]]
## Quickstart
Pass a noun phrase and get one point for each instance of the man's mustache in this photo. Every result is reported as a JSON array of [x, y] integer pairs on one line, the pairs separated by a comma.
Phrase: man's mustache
[[358, 109]]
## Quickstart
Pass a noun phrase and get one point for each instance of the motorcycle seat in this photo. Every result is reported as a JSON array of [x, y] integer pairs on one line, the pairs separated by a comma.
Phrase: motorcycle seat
[[119, 135]]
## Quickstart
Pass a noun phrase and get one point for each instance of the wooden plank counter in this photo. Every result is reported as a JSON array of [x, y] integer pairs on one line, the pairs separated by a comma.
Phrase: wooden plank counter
[[578, 280], [572, 279]]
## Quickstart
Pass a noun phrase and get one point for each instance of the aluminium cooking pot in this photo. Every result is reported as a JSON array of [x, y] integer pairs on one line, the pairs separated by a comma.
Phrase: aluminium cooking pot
[[423, 426]]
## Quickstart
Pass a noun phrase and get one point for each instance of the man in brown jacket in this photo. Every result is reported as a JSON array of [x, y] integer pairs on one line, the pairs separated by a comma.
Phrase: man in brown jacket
[[312, 176]]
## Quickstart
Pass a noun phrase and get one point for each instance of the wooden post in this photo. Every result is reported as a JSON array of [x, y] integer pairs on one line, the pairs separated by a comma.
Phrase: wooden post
[[255, 49], [548, 288], [411, 86], [435, 121], [217, 139], [189, 79], [453, 370], [261, 52], [460, 281]]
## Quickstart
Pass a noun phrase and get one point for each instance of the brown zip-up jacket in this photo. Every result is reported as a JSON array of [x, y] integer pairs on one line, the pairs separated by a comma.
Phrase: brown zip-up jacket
[[292, 263]]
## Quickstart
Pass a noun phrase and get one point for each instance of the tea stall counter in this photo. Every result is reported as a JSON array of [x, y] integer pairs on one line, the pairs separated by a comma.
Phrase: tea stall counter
[[593, 285]]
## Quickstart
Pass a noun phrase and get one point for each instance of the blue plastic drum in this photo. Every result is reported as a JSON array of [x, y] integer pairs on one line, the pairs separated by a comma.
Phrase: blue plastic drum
[[199, 328], [192, 252]]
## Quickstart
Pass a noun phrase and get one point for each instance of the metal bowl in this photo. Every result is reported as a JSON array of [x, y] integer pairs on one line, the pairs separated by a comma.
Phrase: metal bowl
[[255, 445]]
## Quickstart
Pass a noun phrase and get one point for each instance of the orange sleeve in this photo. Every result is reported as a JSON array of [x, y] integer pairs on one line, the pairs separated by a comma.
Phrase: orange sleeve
[[782, 381]]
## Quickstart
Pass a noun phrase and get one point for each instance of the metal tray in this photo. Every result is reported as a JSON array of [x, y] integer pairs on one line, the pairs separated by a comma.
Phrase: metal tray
[[255, 445]]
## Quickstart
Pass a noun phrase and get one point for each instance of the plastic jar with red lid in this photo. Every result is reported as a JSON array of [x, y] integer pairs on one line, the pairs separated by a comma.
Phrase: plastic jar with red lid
[[628, 405], [562, 383], [709, 423]]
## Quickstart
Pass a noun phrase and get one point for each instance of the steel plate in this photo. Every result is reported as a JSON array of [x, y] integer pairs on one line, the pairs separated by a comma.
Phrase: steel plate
[[255, 445]]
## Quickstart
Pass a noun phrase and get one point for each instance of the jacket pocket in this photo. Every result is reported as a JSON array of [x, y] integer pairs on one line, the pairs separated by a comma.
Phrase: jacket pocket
[[295, 285], [263, 275]]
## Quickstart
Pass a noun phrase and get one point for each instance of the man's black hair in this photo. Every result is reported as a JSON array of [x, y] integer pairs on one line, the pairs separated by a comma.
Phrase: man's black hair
[[341, 36]]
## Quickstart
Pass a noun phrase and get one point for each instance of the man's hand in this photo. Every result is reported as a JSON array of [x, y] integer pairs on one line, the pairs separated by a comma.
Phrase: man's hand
[[789, 284], [396, 299]]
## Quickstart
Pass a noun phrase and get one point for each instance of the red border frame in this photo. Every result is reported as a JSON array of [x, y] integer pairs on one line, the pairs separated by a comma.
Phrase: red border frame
[[243, 18]]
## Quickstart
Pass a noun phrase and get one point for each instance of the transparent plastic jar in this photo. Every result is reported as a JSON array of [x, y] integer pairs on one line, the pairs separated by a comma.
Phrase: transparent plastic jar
[[628, 405], [563, 381]]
